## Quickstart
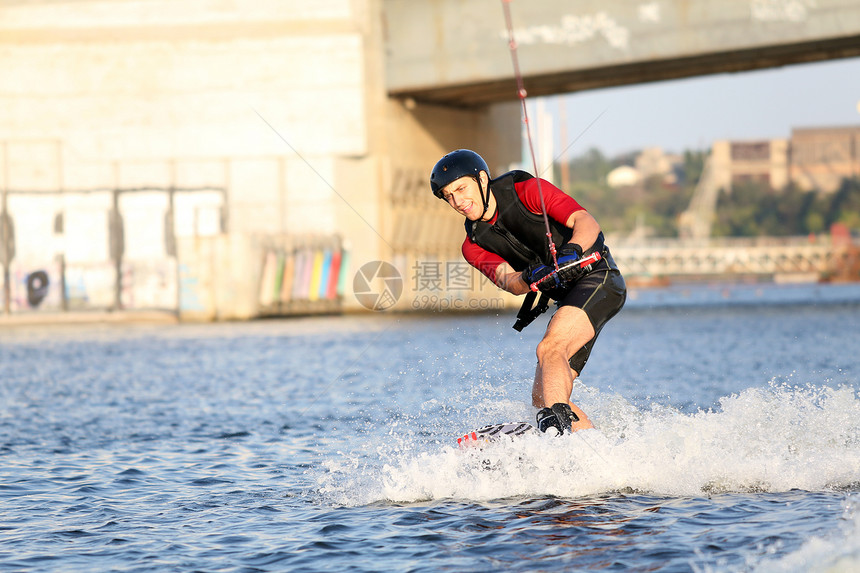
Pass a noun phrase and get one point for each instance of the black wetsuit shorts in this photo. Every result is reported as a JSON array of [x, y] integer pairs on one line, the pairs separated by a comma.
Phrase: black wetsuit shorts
[[601, 294]]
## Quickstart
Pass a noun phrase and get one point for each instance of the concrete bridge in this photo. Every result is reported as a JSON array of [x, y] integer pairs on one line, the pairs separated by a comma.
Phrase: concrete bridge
[[455, 52]]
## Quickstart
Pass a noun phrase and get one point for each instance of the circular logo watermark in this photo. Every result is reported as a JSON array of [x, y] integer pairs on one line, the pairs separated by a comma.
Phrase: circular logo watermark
[[377, 285]]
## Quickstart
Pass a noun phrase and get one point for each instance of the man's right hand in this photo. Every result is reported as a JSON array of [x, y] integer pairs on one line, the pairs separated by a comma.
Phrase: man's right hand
[[536, 272]]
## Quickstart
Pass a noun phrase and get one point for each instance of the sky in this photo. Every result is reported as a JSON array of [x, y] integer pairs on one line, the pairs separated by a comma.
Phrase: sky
[[691, 113]]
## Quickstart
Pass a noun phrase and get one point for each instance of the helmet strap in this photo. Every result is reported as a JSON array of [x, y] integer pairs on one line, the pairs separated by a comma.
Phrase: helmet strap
[[484, 198]]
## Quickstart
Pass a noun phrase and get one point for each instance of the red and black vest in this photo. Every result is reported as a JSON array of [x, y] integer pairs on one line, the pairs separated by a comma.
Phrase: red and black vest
[[517, 235]]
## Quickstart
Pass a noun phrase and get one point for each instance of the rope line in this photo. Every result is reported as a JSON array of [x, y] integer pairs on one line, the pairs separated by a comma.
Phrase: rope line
[[521, 92]]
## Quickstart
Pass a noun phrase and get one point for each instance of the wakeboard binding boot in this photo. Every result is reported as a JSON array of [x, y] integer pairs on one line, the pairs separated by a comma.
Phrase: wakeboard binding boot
[[559, 416]]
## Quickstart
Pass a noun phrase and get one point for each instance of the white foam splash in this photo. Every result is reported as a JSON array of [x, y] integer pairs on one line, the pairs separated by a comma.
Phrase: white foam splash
[[764, 439]]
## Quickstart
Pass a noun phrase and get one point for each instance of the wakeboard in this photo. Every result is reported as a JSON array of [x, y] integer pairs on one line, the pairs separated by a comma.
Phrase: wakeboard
[[495, 432]]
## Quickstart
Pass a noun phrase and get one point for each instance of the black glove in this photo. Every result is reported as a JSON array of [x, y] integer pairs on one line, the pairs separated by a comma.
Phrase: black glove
[[535, 272], [568, 253]]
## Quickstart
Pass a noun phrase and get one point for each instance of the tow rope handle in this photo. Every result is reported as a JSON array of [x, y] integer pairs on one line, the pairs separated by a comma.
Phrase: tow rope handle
[[583, 264]]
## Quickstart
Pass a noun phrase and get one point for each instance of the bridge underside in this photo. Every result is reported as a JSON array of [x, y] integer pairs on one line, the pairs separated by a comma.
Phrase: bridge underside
[[481, 93], [456, 52]]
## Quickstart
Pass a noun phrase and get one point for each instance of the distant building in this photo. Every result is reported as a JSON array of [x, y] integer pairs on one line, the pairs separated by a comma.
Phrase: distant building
[[822, 157], [651, 162], [623, 176], [654, 162], [817, 159], [763, 161], [813, 159]]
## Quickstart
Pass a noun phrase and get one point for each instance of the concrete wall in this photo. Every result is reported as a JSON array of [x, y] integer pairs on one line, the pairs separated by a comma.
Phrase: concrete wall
[[127, 89], [210, 128]]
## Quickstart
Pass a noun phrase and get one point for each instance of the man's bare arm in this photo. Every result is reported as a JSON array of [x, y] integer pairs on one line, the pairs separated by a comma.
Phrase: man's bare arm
[[510, 280]]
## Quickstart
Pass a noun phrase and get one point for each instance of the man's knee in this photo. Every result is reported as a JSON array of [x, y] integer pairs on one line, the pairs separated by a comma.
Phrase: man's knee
[[550, 347]]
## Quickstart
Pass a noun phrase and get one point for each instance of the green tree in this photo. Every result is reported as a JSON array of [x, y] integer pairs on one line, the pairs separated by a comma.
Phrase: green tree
[[618, 210], [814, 221], [694, 164], [591, 167], [845, 205], [754, 209], [750, 209]]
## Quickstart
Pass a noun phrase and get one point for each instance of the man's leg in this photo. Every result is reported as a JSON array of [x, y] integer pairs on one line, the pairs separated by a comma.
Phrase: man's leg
[[567, 344], [567, 332]]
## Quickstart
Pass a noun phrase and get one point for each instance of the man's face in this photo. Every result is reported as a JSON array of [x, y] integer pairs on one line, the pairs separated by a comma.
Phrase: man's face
[[464, 196]]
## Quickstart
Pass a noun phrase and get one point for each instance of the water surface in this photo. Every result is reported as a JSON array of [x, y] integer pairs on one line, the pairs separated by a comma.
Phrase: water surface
[[727, 439]]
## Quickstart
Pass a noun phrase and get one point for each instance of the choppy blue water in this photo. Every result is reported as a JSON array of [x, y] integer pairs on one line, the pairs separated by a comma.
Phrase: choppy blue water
[[727, 439]]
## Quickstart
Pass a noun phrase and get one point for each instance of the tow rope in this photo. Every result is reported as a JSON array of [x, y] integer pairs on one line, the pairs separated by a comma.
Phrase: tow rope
[[528, 313], [521, 92]]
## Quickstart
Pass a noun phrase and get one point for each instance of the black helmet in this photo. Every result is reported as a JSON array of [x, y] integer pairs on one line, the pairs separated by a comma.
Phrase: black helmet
[[459, 163]]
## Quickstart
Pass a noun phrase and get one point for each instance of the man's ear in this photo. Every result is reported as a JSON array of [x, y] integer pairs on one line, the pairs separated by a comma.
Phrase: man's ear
[[485, 179]]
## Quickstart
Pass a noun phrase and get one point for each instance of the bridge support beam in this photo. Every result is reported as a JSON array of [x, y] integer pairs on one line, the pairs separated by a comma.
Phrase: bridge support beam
[[455, 52]]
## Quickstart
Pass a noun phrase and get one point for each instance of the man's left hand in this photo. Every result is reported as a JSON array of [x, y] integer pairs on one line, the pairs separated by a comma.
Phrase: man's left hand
[[567, 254]]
